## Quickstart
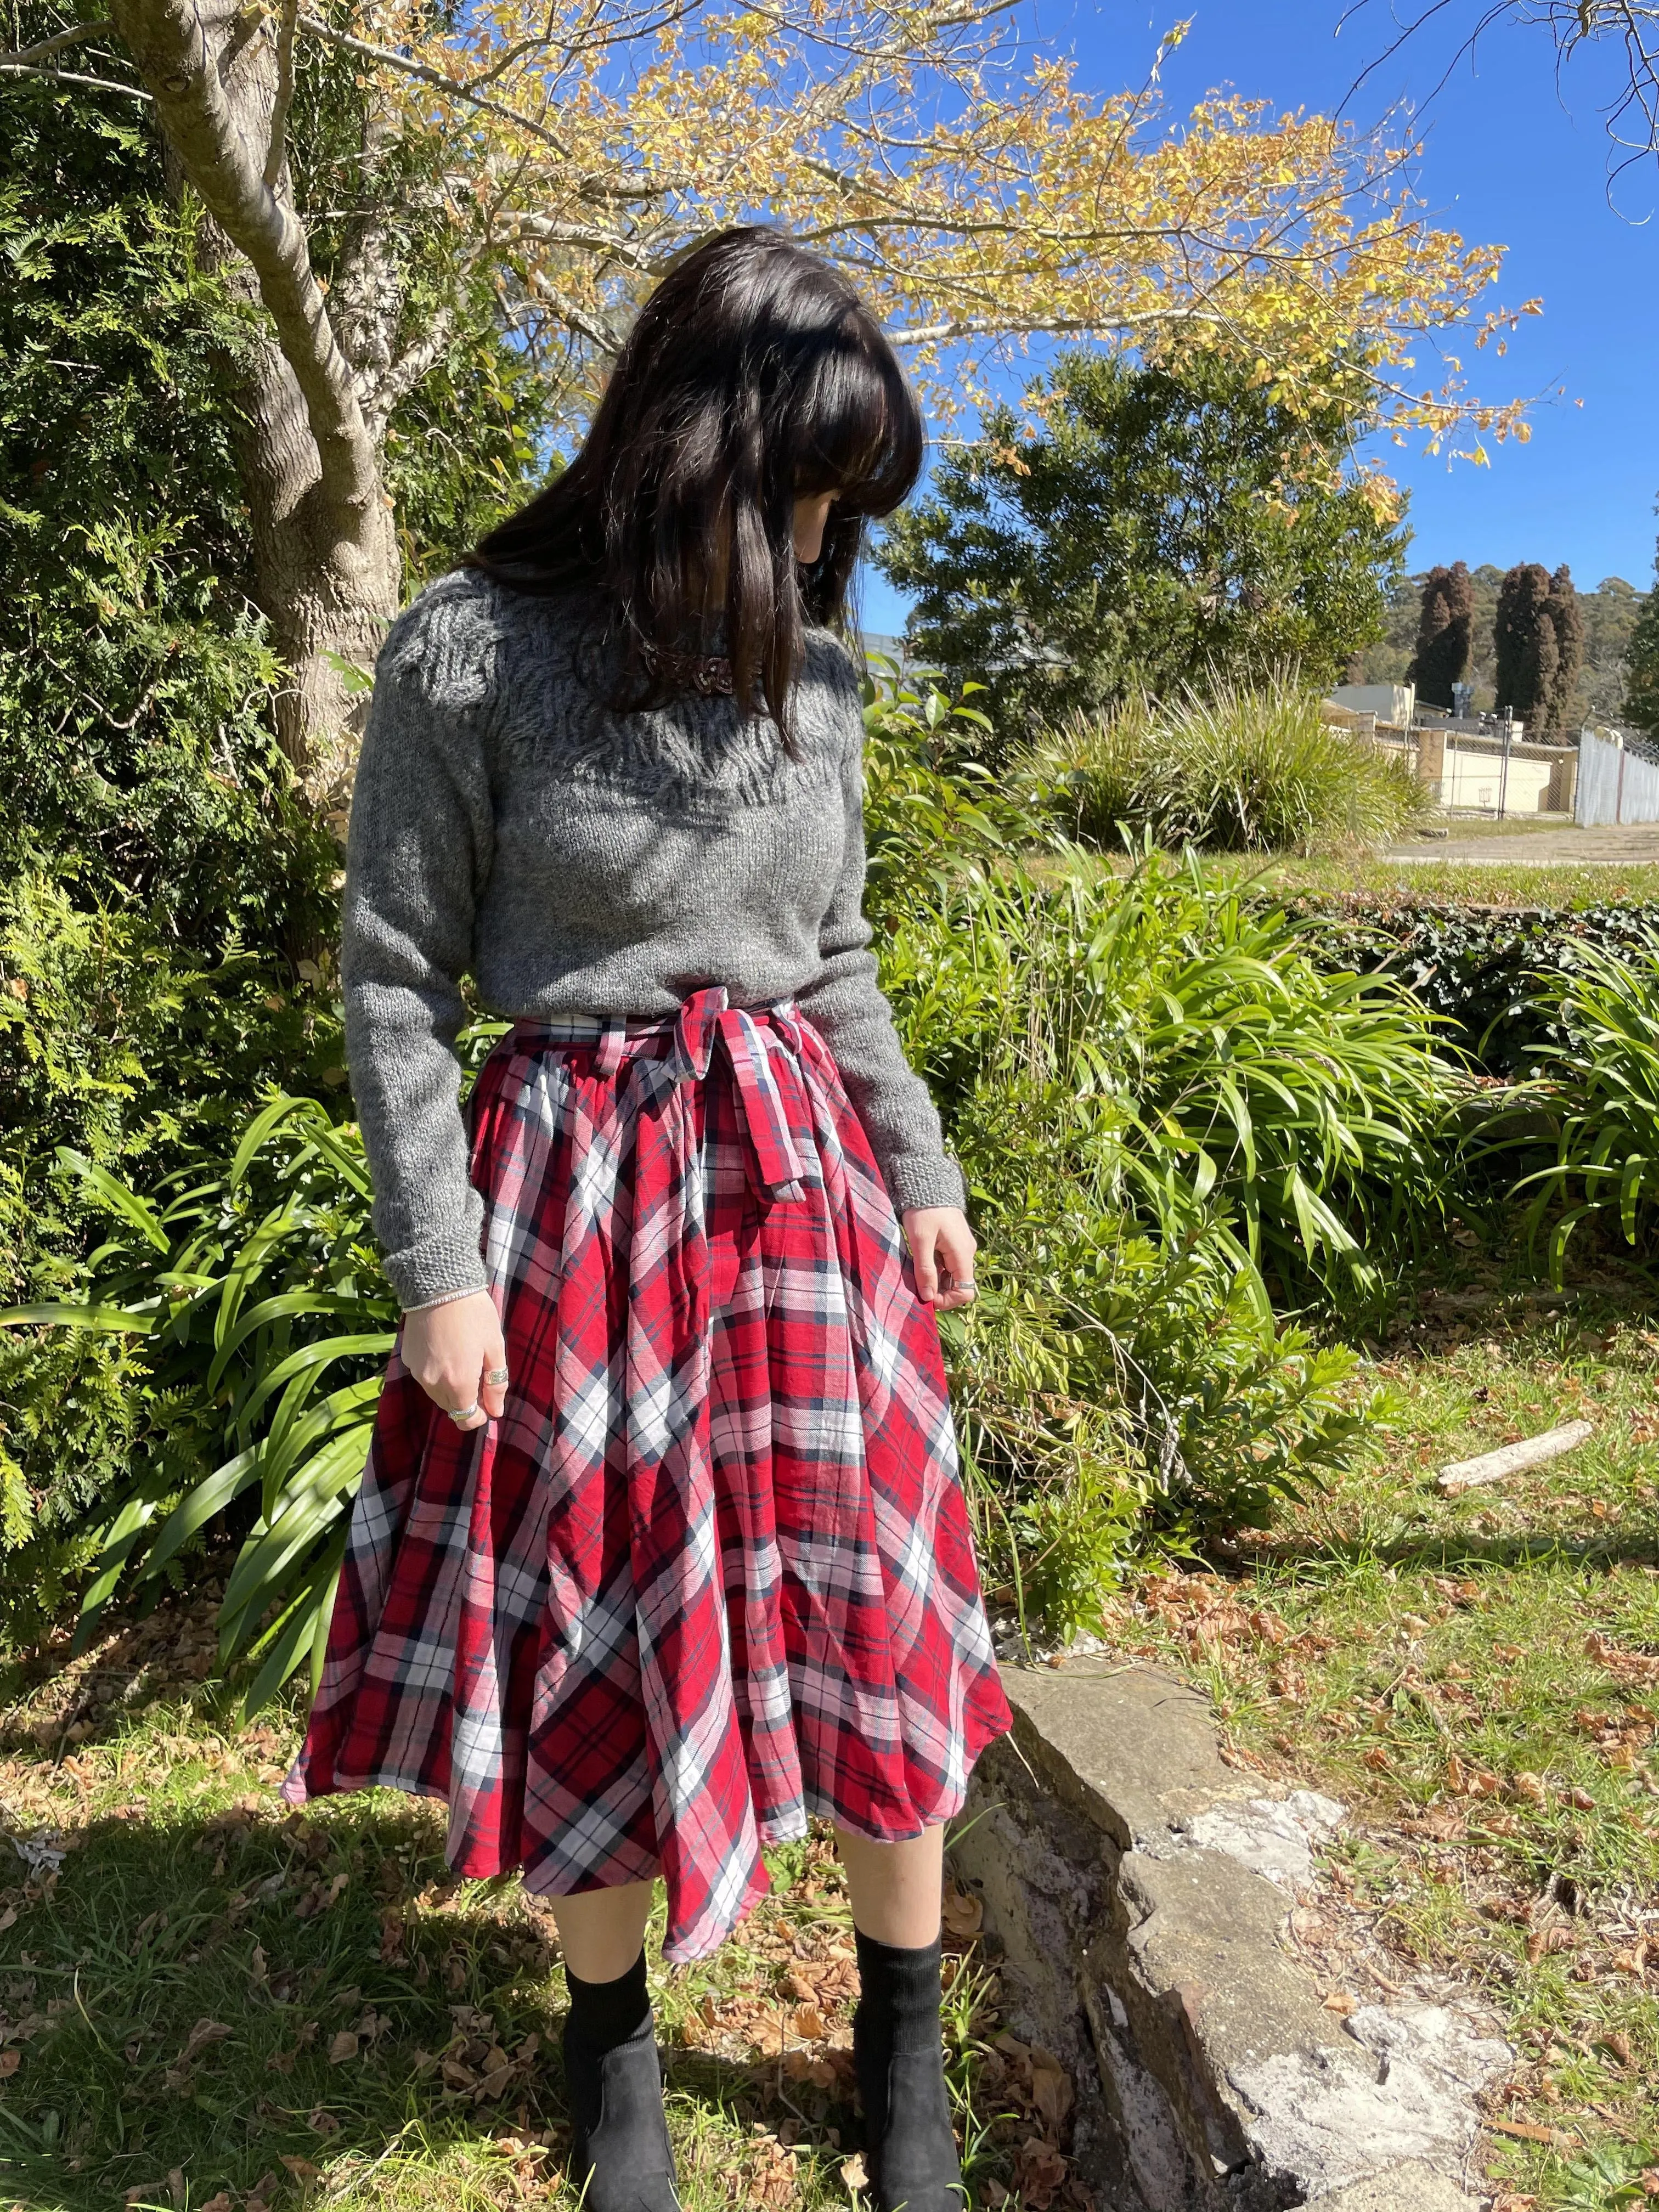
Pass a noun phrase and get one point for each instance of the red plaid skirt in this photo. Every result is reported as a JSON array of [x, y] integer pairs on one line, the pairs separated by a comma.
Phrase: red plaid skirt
[[711, 1570]]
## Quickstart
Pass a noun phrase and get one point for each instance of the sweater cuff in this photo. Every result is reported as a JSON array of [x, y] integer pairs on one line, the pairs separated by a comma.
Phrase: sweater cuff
[[920, 1179], [430, 1275]]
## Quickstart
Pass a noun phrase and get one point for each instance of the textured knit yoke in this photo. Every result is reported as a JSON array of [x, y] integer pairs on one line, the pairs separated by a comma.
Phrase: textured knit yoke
[[580, 862]]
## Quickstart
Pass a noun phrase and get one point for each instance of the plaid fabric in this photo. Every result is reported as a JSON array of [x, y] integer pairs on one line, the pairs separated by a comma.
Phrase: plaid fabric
[[711, 1570]]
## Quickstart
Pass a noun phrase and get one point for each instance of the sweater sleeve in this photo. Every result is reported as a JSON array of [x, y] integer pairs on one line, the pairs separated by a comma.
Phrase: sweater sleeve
[[845, 1003], [418, 851]]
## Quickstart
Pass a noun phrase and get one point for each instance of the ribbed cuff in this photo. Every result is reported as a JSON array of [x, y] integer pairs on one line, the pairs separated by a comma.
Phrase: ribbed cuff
[[431, 1274], [919, 1179]]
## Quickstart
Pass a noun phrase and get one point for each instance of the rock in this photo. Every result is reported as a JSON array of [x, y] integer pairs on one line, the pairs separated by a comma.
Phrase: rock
[[1434, 2038], [1405, 2189], [1127, 1746], [1271, 1837], [1137, 1888], [1324, 2120]]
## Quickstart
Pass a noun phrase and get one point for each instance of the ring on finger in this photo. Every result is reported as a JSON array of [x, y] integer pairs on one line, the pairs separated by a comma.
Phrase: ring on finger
[[462, 1415], [495, 1375]]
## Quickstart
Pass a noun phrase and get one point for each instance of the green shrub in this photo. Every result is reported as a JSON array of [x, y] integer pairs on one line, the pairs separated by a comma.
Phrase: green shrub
[[1168, 1112], [1490, 974], [1168, 1045], [1595, 1102], [254, 1322], [1234, 770]]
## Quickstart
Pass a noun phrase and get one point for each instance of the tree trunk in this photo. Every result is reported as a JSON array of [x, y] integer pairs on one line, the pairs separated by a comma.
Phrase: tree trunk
[[326, 567]]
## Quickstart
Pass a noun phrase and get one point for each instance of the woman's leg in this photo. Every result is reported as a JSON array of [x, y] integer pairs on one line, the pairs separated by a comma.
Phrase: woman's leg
[[894, 1888], [911, 2150], [602, 1932], [613, 2075]]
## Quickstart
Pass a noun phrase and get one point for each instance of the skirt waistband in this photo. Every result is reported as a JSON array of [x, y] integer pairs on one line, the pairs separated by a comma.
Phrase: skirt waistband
[[685, 1044]]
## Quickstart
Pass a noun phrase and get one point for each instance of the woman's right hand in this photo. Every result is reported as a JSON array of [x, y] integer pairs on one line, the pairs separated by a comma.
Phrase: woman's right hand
[[450, 1350]]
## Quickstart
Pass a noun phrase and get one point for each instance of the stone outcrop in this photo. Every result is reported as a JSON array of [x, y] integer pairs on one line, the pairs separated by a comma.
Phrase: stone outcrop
[[1136, 1889]]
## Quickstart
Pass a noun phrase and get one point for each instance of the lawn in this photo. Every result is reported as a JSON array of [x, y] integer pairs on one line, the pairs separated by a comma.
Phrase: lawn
[[1478, 1679], [1512, 886], [210, 2001]]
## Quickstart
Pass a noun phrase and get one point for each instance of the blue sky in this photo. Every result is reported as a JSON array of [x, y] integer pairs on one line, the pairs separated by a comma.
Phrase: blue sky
[[1510, 158]]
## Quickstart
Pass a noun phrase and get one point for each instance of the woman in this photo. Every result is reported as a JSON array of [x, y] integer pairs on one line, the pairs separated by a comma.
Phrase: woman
[[661, 1546]]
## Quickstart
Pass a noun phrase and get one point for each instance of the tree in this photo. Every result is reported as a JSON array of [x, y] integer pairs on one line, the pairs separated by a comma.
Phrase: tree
[[1524, 642], [1444, 634], [1632, 114], [1539, 642], [1146, 526], [1569, 627], [1641, 704], [554, 158]]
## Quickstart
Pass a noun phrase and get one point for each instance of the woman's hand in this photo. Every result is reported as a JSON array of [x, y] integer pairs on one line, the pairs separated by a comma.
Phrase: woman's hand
[[452, 1350], [942, 1250]]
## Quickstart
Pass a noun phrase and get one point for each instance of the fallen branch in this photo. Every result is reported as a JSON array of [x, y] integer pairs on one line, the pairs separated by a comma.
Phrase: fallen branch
[[1494, 1466]]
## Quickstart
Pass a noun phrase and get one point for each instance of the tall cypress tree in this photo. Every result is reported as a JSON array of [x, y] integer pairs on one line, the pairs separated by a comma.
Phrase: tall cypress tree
[[1567, 621], [1523, 640], [1444, 634], [1641, 662]]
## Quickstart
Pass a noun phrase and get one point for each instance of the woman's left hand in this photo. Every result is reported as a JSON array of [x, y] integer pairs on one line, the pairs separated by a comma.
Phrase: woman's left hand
[[942, 1250]]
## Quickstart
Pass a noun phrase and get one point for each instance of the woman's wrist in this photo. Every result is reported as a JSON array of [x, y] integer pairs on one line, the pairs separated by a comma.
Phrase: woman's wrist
[[449, 1299]]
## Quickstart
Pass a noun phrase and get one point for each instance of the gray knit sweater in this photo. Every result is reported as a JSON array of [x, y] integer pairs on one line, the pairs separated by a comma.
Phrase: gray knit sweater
[[577, 861]]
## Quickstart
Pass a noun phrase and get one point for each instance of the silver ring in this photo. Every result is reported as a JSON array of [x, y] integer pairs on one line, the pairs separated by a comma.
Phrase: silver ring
[[462, 1415], [494, 1374]]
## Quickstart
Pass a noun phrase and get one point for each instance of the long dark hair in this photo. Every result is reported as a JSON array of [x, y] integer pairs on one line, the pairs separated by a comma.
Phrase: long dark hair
[[754, 376]]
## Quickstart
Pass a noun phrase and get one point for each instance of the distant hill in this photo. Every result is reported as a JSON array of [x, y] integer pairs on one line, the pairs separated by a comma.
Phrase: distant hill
[[1609, 612]]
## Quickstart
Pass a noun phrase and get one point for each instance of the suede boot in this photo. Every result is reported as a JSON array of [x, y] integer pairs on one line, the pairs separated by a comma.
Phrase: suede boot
[[909, 2145], [620, 2157]]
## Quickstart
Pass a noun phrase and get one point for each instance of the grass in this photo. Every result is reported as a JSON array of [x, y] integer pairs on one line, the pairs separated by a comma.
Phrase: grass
[[1514, 887], [212, 2003], [1237, 769], [1477, 1678]]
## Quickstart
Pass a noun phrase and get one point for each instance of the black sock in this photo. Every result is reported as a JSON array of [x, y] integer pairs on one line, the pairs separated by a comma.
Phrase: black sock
[[900, 1989], [603, 2015], [606, 2013]]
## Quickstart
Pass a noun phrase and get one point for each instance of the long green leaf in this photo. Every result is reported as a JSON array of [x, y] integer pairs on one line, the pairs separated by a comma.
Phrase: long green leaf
[[211, 1495], [97, 1319], [117, 1196]]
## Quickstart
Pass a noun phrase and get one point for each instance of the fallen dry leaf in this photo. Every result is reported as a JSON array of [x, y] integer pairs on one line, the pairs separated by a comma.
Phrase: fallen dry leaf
[[9, 2062], [1051, 2089], [344, 2046], [963, 1913], [1039, 2173], [852, 2173]]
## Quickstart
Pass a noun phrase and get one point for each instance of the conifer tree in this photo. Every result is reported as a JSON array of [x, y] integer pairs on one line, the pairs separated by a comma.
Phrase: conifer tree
[[1444, 634], [1568, 622], [1641, 662], [1524, 639]]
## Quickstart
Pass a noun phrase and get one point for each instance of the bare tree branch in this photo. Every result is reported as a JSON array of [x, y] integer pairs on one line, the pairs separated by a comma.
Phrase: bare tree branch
[[276, 153], [13, 67], [77, 35]]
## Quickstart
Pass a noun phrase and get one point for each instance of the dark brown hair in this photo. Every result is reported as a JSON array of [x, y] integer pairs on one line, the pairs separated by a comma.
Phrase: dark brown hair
[[754, 376]]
